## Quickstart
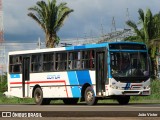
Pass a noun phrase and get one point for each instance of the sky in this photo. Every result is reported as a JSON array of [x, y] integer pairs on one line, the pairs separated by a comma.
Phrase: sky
[[88, 18]]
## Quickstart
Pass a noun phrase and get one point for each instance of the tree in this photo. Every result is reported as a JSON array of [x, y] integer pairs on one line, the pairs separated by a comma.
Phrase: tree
[[50, 17], [3, 83], [149, 33]]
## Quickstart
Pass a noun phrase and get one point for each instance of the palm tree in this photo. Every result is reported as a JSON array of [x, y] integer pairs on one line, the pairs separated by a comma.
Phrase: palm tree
[[149, 33], [144, 33], [50, 17]]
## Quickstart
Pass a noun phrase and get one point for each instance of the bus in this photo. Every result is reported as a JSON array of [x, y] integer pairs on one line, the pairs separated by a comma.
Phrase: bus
[[113, 70]]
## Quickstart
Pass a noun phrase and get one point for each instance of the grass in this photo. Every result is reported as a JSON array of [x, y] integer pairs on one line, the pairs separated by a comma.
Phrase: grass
[[153, 98], [15, 100]]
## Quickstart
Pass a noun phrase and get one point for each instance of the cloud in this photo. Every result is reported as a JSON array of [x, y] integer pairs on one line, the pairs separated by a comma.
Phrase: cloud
[[17, 25], [89, 16]]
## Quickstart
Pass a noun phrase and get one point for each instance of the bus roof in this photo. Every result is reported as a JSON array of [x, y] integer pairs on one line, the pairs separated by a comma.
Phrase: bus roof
[[79, 47]]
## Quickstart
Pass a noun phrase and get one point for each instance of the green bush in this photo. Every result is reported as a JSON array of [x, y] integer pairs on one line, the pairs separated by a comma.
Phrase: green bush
[[3, 83], [155, 93]]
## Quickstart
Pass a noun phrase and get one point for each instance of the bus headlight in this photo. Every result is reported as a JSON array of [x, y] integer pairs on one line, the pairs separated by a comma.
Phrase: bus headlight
[[146, 87], [115, 87]]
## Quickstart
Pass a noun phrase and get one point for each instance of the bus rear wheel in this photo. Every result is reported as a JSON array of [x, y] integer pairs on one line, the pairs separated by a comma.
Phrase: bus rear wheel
[[70, 101], [123, 100], [90, 96], [38, 97]]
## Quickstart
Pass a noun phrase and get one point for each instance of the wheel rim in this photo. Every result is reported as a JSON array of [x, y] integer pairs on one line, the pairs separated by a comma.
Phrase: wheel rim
[[37, 97], [90, 96]]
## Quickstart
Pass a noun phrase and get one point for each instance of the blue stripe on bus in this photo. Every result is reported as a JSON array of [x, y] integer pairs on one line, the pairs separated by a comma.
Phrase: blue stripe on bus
[[86, 46], [73, 81], [14, 75], [96, 45], [79, 47], [127, 86], [69, 48], [84, 77]]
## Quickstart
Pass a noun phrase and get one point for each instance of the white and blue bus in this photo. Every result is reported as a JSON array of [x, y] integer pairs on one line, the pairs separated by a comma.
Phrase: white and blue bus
[[90, 72]]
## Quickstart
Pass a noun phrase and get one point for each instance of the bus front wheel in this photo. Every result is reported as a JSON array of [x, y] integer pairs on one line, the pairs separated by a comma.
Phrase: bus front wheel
[[38, 97], [90, 96], [123, 100]]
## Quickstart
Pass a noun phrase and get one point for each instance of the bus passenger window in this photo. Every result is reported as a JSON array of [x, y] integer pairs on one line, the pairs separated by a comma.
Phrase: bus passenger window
[[36, 63], [79, 61], [61, 61], [92, 58], [17, 68], [15, 64], [84, 60], [88, 59], [70, 61], [48, 62]]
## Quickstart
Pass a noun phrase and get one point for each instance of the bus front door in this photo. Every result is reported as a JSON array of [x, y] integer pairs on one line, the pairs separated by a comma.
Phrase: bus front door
[[25, 76], [100, 73]]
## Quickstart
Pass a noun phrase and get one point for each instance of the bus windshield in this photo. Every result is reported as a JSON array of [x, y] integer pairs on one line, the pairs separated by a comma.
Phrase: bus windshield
[[129, 64]]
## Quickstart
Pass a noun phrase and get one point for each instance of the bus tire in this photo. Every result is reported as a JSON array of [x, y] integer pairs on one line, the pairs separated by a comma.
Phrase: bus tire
[[70, 101], [123, 100], [90, 98], [38, 97]]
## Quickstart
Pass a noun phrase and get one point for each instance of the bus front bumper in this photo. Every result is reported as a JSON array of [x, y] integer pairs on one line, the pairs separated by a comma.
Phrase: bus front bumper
[[145, 92]]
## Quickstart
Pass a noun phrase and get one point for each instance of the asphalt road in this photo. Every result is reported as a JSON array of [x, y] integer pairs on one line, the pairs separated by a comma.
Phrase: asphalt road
[[82, 110], [81, 107]]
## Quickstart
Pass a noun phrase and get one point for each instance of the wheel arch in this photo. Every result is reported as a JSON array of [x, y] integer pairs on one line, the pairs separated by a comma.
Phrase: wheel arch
[[36, 86], [83, 91]]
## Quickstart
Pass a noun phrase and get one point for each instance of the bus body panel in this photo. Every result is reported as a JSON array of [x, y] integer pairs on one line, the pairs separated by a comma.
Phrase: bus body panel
[[53, 84]]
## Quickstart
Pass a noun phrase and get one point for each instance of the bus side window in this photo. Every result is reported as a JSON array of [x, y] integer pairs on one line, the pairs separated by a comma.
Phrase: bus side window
[[61, 61], [15, 64], [79, 61], [70, 61], [84, 55], [92, 59], [48, 62], [74, 60], [36, 64], [87, 60]]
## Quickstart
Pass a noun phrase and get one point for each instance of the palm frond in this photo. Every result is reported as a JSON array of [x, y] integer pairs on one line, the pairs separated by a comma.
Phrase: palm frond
[[37, 20], [50, 17], [141, 14], [63, 12], [135, 28]]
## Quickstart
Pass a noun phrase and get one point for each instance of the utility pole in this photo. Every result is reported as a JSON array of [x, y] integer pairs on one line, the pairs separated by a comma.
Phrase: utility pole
[[126, 19], [102, 31], [91, 35], [113, 29], [39, 43]]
